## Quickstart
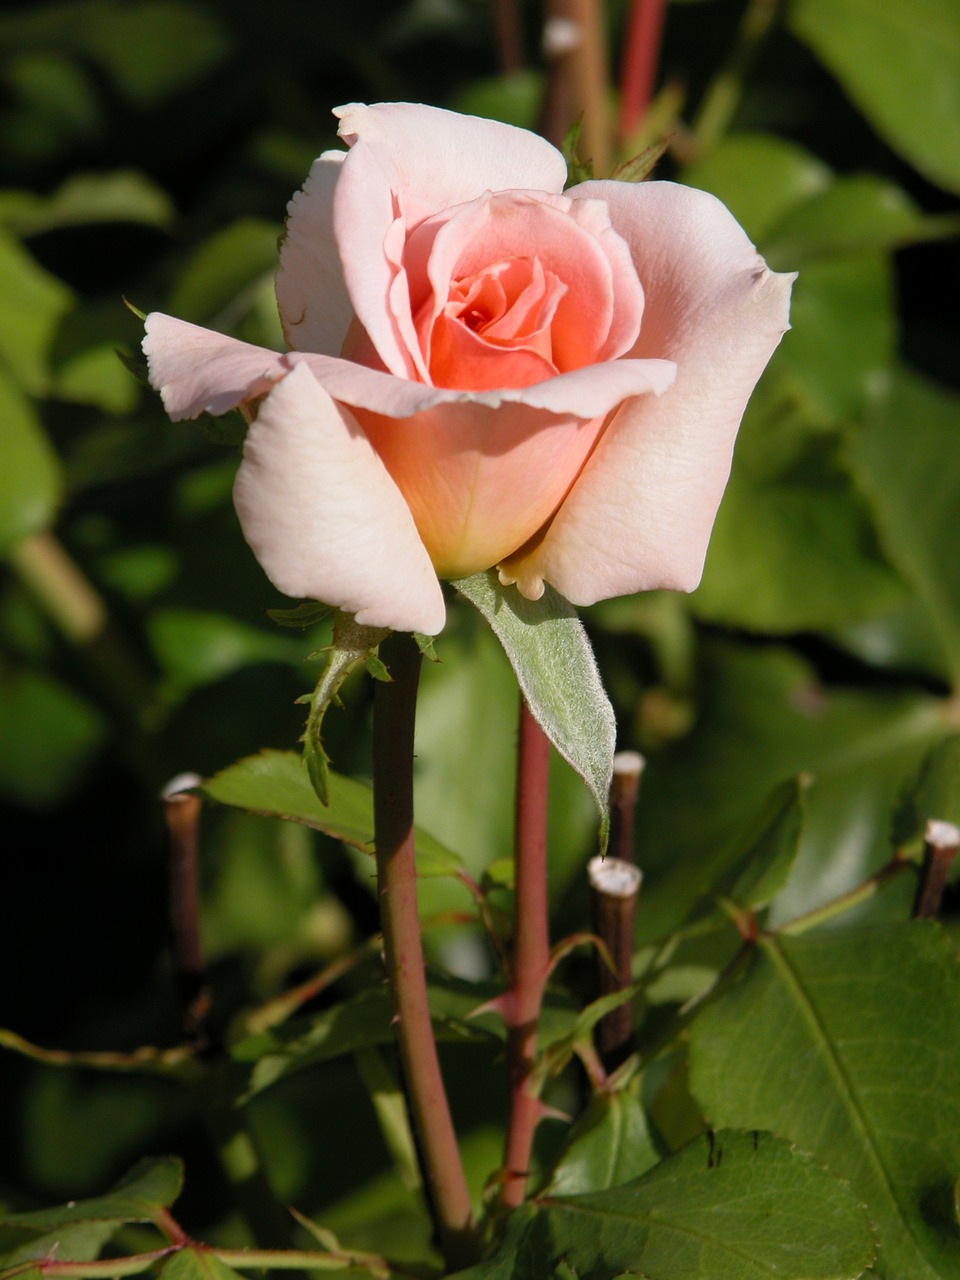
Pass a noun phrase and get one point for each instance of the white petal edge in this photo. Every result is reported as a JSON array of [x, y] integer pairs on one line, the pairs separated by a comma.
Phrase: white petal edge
[[443, 158], [323, 517], [312, 299], [196, 370], [640, 514]]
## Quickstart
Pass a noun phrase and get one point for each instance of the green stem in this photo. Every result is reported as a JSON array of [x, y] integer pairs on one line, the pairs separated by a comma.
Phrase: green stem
[[531, 953], [393, 730]]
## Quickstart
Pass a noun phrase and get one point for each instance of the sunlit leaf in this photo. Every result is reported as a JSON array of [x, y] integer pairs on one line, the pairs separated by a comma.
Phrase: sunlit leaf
[[276, 783], [557, 673], [731, 1206], [901, 460], [901, 65], [861, 1040]]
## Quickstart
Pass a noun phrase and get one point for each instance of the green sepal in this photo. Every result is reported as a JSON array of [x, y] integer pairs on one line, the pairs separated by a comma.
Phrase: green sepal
[[306, 614], [577, 169], [426, 646], [353, 645]]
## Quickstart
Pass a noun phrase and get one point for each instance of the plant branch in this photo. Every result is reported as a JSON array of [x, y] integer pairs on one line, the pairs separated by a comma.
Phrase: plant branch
[[393, 730], [644, 30], [531, 953], [575, 50]]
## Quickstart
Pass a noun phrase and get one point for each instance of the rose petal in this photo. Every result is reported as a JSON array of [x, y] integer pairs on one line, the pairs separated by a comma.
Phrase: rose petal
[[197, 370], [571, 239], [406, 162], [641, 511], [312, 298], [443, 158], [480, 482], [323, 517]]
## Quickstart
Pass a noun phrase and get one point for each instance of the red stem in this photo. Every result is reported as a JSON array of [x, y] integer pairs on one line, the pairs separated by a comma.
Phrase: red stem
[[644, 29], [393, 728], [531, 953]]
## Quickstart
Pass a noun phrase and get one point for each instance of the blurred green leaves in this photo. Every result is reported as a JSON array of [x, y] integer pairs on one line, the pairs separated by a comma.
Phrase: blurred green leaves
[[901, 66]]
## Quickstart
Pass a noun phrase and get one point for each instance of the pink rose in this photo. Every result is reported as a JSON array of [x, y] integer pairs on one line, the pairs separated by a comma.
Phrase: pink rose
[[484, 371]]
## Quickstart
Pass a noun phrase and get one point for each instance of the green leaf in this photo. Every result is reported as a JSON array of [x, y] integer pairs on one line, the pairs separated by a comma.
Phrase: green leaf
[[609, 1144], [764, 715], [307, 614], [195, 648], [152, 49], [791, 549], [841, 343], [861, 1050], [353, 646], [81, 1243], [859, 214], [197, 1263], [729, 1206], [275, 783], [32, 305], [900, 63], [30, 478], [557, 673], [216, 282], [935, 794], [122, 196], [769, 848], [141, 1195], [48, 735], [759, 178], [915, 501]]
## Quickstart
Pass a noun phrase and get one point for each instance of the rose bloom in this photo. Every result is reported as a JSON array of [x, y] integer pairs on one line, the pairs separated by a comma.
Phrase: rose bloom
[[484, 371]]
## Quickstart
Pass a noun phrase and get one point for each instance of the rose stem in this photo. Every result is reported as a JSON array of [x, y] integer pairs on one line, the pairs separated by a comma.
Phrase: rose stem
[[722, 97], [531, 952], [624, 788], [614, 887], [181, 809], [941, 841], [644, 30], [575, 50], [509, 41], [393, 730], [236, 1147]]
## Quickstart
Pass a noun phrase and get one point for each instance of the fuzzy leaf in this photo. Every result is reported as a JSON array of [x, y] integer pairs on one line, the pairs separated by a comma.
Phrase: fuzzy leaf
[[557, 673]]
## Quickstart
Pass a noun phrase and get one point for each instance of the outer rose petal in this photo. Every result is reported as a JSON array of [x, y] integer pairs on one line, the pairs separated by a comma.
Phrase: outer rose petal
[[197, 370], [312, 298], [640, 514], [443, 158], [323, 517]]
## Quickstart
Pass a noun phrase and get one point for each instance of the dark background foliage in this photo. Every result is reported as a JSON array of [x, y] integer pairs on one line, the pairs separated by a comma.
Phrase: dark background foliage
[[148, 150]]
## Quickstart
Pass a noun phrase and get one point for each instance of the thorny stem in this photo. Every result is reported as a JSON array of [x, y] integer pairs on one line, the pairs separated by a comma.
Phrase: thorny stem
[[576, 57], [182, 813], [393, 729], [644, 29], [941, 843], [624, 789], [531, 953], [509, 42], [614, 888]]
